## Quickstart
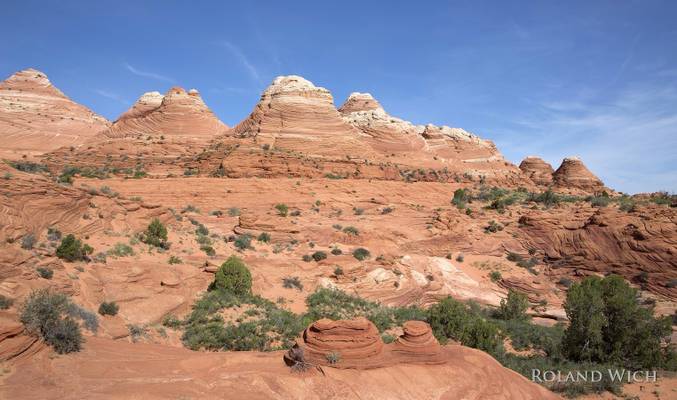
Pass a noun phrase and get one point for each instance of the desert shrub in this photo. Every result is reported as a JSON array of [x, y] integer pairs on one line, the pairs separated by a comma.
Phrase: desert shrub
[[336, 251], [174, 260], [282, 209], [607, 324], [155, 234], [171, 321], [338, 271], [45, 272], [264, 237], [461, 197], [243, 242], [292, 282], [72, 249], [88, 318], [137, 331], [451, 319], [566, 282], [495, 276], [338, 227], [5, 302], [191, 208], [361, 253], [209, 250], [100, 258], [28, 241], [358, 211], [234, 211], [493, 227], [599, 201], [333, 357], [43, 314], [121, 250], [388, 338], [216, 213], [202, 230], [28, 166], [386, 210], [514, 257], [351, 230], [108, 308], [626, 204], [460, 257], [295, 213], [319, 255], [307, 258], [53, 234], [233, 276], [514, 306]]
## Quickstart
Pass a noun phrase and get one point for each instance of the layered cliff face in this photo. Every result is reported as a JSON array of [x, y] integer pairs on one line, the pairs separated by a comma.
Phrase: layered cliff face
[[539, 171], [178, 113], [36, 117], [572, 173], [293, 114]]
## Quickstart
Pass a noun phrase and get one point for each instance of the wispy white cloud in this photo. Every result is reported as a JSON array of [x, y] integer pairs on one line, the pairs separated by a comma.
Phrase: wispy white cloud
[[147, 74], [111, 96], [243, 60], [630, 140]]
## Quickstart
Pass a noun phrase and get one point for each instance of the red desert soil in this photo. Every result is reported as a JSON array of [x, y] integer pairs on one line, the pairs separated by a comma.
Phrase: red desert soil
[[108, 369]]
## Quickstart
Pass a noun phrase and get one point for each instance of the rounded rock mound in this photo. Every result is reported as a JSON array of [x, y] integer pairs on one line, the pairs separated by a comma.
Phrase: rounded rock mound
[[572, 173], [418, 344], [539, 171]]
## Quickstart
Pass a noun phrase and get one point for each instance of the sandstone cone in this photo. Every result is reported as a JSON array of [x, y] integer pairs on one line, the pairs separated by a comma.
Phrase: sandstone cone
[[357, 343], [176, 114], [296, 115], [36, 117], [574, 174], [418, 344], [539, 171]]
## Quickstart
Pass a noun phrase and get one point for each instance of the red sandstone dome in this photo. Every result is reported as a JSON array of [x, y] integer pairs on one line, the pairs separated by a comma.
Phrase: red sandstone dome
[[572, 173], [176, 114], [36, 117], [539, 171]]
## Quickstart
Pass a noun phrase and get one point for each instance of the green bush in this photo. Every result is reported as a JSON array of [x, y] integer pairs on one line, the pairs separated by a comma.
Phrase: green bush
[[461, 197], [307, 258], [121, 250], [495, 276], [361, 253], [336, 251], [451, 319], [45, 272], [514, 307], [5, 302], [282, 209], [351, 230], [333, 357], [264, 237], [319, 255], [243, 242], [608, 325], [233, 276], [28, 241], [174, 260], [43, 314], [155, 234], [292, 282], [72, 249], [202, 230], [108, 308]]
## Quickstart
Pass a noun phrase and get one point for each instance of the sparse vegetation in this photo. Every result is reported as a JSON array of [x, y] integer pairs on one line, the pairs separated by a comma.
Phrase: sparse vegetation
[[234, 277], [155, 235], [121, 250], [45, 272], [243, 242], [319, 255], [5, 302], [108, 308], [333, 357], [45, 313], [361, 253], [292, 282], [264, 237], [351, 230], [514, 306], [174, 260], [72, 249], [495, 276], [282, 209], [28, 241]]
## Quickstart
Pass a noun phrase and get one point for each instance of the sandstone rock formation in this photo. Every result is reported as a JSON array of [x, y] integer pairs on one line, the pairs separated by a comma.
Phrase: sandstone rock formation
[[572, 173], [357, 344], [36, 117], [294, 114], [176, 114], [417, 344], [539, 171]]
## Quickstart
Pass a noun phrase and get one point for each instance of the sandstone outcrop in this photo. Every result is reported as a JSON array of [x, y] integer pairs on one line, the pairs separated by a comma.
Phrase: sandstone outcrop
[[294, 114], [539, 171], [179, 113], [572, 173], [357, 344], [36, 117]]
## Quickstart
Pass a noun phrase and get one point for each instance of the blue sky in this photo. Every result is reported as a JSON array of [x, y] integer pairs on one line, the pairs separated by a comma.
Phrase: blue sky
[[596, 79]]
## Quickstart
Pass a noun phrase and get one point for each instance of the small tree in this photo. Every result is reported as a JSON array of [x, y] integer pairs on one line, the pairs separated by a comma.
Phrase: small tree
[[156, 234], [234, 276], [514, 307], [72, 249]]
